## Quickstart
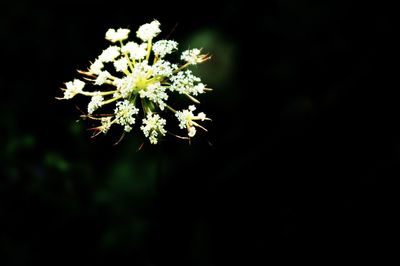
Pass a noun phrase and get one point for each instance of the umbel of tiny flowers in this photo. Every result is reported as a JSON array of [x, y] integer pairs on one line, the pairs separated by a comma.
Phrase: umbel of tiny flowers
[[136, 80]]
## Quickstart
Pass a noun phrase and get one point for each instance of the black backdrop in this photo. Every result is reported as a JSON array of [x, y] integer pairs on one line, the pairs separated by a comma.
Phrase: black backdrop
[[298, 164]]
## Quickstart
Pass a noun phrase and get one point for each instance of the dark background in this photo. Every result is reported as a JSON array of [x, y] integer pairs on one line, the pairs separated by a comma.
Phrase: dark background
[[298, 164]]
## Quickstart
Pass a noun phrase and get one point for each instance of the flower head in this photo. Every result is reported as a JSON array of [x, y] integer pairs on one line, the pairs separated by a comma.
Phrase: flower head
[[95, 102], [117, 35], [73, 88], [121, 64], [105, 124], [191, 56], [109, 54], [139, 81], [135, 51], [187, 119], [185, 82], [124, 114], [102, 78], [96, 67], [148, 31], [153, 126], [164, 47]]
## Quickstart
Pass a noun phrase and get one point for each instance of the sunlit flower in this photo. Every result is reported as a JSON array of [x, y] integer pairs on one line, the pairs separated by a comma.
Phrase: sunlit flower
[[138, 81]]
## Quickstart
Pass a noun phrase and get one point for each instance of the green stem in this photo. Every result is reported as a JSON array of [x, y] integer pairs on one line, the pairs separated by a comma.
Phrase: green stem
[[103, 93], [155, 59], [148, 50], [192, 98], [130, 64], [144, 106], [170, 108], [180, 68], [111, 100]]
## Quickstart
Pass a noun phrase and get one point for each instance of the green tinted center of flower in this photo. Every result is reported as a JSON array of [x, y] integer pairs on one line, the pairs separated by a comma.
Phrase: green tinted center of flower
[[142, 84]]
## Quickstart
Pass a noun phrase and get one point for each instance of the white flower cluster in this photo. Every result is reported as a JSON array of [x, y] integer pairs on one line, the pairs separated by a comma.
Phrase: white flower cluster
[[153, 125], [186, 119], [139, 81], [73, 88]]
